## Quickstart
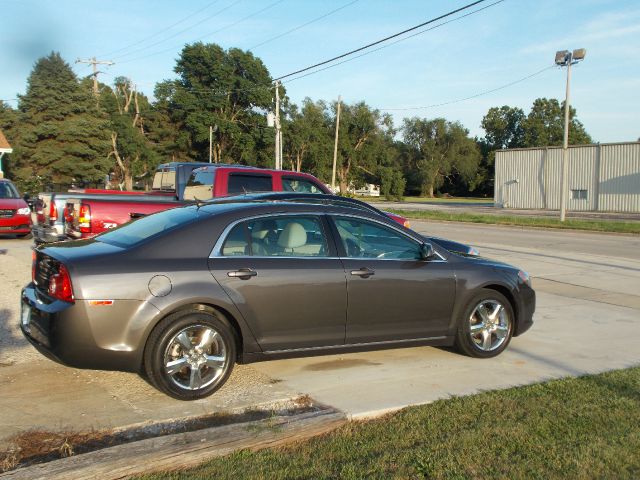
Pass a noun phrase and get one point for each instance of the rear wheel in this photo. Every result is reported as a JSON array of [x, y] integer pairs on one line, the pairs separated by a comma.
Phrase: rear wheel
[[190, 354], [486, 327]]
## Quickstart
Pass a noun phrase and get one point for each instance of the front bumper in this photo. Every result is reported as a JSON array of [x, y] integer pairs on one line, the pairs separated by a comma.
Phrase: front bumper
[[71, 335], [526, 309], [16, 225]]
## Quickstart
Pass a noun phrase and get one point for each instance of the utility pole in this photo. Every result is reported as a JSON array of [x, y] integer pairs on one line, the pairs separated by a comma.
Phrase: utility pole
[[335, 146], [566, 58], [210, 142], [93, 62], [278, 133]]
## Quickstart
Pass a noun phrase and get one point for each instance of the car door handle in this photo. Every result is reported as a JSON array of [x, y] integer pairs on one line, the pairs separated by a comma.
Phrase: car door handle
[[243, 273], [363, 272]]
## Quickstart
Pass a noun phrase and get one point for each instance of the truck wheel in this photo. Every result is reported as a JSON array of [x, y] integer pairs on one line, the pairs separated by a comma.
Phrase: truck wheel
[[190, 354]]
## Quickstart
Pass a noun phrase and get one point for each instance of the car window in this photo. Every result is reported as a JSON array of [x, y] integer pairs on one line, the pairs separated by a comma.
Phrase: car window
[[363, 239], [285, 236], [199, 186], [7, 190], [242, 183], [165, 179], [292, 184]]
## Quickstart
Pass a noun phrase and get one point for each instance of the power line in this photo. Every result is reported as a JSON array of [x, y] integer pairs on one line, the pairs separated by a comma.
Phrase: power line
[[161, 31], [177, 33], [486, 92], [377, 42], [211, 33], [303, 25], [369, 52]]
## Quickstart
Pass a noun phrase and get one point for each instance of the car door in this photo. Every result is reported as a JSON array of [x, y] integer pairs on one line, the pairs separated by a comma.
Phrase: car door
[[392, 293], [283, 274]]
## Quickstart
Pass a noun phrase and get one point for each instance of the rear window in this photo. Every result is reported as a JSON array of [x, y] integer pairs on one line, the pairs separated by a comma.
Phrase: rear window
[[199, 186], [293, 184], [165, 179], [137, 231], [242, 183]]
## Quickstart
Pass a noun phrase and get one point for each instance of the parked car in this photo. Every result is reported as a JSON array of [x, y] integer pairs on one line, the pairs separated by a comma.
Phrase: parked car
[[15, 214], [455, 247], [186, 293], [90, 215], [169, 181]]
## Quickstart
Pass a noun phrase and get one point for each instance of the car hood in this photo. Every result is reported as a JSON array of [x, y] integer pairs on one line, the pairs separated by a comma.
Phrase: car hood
[[488, 262], [12, 203]]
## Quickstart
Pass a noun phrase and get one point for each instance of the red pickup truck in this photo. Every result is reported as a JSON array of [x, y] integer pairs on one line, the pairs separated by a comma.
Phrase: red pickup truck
[[86, 217]]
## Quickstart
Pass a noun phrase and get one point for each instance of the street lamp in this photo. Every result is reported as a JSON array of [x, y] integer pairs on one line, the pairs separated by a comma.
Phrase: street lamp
[[565, 58]]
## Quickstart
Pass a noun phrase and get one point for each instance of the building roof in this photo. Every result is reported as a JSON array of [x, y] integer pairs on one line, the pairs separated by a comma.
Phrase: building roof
[[4, 145]]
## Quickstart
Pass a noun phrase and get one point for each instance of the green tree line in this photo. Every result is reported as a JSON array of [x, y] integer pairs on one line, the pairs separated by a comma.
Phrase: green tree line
[[63, 133]]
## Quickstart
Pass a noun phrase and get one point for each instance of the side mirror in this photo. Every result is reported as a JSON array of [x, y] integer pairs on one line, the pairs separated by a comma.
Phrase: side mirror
[[426, 251]]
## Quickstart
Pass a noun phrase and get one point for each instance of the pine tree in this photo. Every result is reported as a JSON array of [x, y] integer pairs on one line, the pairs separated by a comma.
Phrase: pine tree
[[64, 137]]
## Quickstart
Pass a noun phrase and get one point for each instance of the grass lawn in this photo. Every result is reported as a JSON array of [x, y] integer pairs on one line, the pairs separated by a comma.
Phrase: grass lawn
[[469, 200], [574, 224], [583, 428]]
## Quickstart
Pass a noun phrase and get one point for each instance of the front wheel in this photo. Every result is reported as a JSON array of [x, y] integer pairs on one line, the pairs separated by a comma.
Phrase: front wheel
[[190, 354], [486, 328]]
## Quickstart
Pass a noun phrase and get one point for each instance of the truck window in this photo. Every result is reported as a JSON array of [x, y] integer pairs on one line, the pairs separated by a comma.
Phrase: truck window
[[164, 179], [199, 186], [243, 183], [293, 184]]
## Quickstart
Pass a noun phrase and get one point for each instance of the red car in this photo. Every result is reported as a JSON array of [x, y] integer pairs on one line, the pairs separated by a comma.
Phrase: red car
[[15, 214]]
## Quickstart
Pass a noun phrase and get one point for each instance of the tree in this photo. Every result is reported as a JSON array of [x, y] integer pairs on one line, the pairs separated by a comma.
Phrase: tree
[[440, 149], [503, 127], [308, 136], [228, 90], [131, 150], [544, 126], [63, 136]]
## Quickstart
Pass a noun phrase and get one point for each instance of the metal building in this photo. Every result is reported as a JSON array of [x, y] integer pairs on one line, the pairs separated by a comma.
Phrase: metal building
[[602, 177]]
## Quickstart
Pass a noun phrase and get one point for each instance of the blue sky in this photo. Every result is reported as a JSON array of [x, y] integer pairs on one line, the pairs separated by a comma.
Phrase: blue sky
[[484, 51]]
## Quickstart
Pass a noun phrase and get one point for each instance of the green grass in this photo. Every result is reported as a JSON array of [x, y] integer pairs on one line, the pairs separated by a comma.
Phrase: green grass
[[469, 200], [578, 428], [546, 222]]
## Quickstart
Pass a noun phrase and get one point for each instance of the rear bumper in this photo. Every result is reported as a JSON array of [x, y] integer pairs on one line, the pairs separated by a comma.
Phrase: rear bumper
[[48, 234], [16, 225], [68, 334]]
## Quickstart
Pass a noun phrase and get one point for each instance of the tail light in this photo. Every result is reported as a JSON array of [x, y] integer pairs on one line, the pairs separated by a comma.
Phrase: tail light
[[33, 265], [84, 219], [60, 285], [53, 212], [68, 213]]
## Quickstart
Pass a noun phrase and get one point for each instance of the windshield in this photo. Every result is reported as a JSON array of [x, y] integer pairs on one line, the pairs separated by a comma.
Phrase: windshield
[[165, 179], [7, 190], [137, 231]]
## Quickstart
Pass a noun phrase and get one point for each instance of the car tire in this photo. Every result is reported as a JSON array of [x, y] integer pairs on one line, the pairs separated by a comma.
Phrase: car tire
[[486, 326], [190, 354]]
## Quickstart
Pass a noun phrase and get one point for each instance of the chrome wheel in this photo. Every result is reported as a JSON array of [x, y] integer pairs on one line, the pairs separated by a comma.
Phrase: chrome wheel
[[195, 357], [489, 325]]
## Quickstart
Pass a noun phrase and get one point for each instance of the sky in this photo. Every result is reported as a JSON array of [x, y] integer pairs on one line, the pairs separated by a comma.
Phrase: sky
[[482, 52]]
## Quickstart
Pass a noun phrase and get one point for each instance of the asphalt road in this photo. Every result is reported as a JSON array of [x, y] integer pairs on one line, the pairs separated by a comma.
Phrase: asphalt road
[[587, 320]]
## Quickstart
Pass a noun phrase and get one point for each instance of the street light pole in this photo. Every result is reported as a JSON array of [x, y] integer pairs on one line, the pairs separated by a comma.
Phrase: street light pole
[[565, 58]]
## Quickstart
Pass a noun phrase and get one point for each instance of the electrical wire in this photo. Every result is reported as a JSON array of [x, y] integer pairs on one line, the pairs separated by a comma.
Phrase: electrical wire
[[393, 43], [271, 5], [486, 92], [160, 32], [303, 25], [382, 40], [222, 10]]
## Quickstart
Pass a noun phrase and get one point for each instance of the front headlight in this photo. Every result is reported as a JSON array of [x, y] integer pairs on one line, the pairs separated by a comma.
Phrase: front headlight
[[24, 211], [524, 276]]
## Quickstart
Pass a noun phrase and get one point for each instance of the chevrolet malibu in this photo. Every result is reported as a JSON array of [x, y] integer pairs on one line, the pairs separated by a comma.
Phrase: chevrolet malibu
[[182, 295]]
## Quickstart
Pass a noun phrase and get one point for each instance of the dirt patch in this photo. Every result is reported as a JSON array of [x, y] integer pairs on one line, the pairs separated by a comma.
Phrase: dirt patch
[[40, 446], [339, 364]]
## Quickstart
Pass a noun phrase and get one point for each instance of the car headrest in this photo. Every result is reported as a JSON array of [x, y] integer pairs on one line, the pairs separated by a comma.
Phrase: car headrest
[[293, 236]]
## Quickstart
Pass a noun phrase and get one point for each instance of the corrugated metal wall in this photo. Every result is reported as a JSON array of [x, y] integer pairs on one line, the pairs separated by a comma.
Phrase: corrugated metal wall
[[602, 177]]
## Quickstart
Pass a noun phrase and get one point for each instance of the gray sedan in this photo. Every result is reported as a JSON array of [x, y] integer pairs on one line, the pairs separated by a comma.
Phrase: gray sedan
[[182, 295]]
